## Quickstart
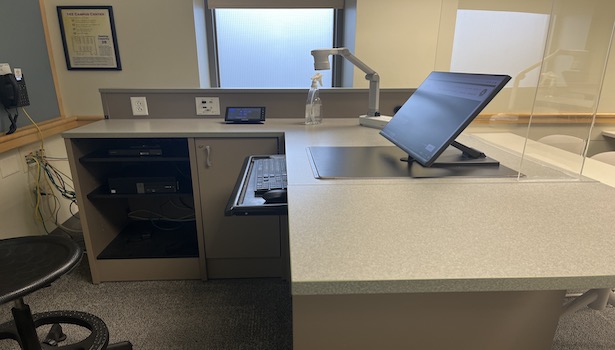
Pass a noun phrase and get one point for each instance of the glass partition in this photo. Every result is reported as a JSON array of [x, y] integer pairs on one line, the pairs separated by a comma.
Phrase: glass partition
[[556, 52]]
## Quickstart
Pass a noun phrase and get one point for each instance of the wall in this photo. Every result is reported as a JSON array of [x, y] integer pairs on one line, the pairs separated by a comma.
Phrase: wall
[[28, 51], [402, 40], [17, 204], [157, 46], [279, 103], [398, 39]]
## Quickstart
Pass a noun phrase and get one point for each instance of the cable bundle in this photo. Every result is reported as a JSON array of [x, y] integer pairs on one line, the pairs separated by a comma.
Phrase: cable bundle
[[46, 180]]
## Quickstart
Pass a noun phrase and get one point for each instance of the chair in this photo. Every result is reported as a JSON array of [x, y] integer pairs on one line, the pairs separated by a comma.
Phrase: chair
[[605, 157], [596, 299], [566, 142], [28, 264]]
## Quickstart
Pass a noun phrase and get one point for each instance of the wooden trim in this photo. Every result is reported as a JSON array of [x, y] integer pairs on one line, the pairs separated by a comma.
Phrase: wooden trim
[[52, 64], [85, 119], [29, 134], [563, 118]]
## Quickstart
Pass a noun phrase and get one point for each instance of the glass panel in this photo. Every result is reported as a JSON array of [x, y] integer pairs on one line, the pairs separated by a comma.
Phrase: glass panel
[[260, 48], [502, 42], [570, 84], [556, 53]]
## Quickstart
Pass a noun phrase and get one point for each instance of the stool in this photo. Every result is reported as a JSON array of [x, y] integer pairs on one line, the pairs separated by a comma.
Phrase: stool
[[31, 263]]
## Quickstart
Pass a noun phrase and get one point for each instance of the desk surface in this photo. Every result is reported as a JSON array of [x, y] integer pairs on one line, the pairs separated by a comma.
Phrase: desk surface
[[608, 133], [539, 152], [546, 231]]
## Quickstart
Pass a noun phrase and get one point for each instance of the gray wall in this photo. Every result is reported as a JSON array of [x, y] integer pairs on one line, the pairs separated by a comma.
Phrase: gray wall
[[22, 45], [279, 103]]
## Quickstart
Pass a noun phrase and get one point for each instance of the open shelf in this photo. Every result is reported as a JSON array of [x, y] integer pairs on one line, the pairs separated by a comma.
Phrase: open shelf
[[144, 240], [138, 151], [101, 157]]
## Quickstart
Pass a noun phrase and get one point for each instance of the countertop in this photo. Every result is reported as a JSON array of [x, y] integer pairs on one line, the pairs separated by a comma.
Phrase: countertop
[[545, 230]]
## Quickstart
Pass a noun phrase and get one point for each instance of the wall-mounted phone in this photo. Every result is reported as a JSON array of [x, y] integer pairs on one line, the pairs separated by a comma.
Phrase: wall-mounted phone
[[13, 92]]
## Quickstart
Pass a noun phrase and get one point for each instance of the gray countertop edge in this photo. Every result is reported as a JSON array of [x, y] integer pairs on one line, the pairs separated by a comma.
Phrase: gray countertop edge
[[171, 134], [450, 285], [335, 90]]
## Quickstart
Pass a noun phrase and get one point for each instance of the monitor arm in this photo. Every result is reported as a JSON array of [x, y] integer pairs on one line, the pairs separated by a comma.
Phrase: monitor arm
[[321, 62]]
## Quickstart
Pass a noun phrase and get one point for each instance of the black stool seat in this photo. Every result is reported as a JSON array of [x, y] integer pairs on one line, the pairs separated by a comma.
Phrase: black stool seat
[[28, 264]]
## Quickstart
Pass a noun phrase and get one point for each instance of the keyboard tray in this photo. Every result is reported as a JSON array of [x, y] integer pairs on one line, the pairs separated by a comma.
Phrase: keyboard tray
[[243, 200]]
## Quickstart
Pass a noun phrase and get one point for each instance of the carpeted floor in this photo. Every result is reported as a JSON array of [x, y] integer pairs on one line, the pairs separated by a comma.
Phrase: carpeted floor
[[219, 314], [586, 329], [248, 314]]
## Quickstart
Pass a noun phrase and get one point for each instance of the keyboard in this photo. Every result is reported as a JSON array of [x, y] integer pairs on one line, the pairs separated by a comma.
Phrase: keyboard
[[270, 174]]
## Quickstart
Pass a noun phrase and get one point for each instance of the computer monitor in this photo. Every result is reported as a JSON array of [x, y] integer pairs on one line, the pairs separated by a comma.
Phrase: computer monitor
[[438, 111]]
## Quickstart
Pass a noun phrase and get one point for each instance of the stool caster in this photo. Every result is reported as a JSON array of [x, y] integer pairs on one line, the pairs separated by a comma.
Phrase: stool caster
[[55, 335], [97, 340]]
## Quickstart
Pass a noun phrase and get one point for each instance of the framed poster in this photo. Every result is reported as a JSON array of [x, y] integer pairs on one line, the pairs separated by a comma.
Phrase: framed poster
[[88, 36]]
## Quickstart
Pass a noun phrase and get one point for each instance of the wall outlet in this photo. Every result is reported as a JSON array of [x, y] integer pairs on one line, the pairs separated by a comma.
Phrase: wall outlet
[[139, 105], [207, 106]]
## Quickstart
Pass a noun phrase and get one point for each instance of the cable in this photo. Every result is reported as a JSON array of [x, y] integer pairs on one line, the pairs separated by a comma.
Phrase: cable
[[47, 180], [40, 133], [13, 119]]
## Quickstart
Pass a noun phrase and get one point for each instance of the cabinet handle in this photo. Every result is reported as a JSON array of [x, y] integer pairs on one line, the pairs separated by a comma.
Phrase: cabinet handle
[[208, 156]]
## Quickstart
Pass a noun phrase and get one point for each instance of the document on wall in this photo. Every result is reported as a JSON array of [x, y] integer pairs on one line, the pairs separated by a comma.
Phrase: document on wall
[[88, 35]]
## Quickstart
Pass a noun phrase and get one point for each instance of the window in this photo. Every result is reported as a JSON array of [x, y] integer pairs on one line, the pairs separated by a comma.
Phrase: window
[[268, 47]]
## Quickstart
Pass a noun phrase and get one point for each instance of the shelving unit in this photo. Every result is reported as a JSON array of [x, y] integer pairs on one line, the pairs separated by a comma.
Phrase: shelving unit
[[142, 229]]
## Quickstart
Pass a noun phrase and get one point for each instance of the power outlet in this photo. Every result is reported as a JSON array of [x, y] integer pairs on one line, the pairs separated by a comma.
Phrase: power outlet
[[139, 105], [207, 106]]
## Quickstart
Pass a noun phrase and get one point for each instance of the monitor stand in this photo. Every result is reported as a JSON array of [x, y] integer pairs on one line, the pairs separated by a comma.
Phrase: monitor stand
[[468, 156]]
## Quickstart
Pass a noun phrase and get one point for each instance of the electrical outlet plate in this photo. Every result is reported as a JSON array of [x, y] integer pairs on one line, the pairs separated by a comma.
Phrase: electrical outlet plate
[[139, 106], [207, 106]]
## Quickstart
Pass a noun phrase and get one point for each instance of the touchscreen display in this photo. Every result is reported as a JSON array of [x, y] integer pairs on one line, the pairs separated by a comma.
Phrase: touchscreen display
[[245, 114]]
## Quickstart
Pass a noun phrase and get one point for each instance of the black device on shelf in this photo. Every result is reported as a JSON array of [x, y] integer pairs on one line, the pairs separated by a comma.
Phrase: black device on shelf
[[143, 185], [437, 112], [135, 167], [136, 151]]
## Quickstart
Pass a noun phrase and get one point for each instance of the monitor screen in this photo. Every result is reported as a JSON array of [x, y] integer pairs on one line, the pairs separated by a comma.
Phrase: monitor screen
[[439, 110]]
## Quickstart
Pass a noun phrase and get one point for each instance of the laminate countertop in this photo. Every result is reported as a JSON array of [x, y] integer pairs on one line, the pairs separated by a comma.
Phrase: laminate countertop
[[545, 229]]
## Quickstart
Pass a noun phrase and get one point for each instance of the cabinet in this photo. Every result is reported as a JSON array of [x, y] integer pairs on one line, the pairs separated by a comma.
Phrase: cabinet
[[137, 208], [152, 232], [235, 246]]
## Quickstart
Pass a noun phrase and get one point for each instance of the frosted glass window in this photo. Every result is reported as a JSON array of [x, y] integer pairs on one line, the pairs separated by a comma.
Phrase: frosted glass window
[[260, 48], [499, 42]]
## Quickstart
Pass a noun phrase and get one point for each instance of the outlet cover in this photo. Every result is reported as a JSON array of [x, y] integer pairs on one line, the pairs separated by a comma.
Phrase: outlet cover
[[207, 106], [139, 106]]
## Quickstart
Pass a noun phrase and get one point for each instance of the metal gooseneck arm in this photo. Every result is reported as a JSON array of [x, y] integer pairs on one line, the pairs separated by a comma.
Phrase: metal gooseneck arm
[[321, 62]]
